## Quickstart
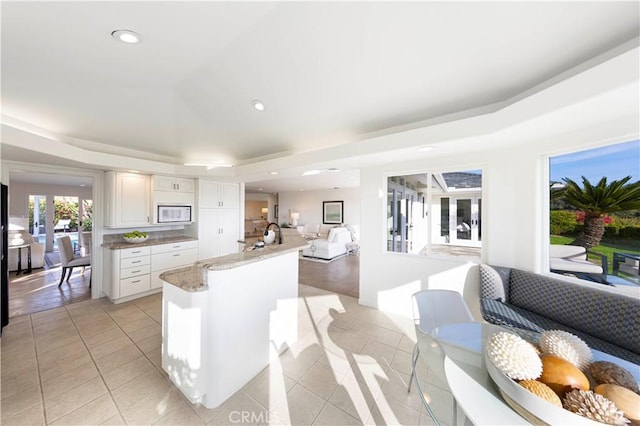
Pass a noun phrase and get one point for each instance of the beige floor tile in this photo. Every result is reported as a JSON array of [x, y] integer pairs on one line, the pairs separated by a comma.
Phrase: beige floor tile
[[396, 388], [127, 314], [334, 416], [118, 358], [355, 398], [116, 420], [69, 380], [16, 404], [295, 366], [64, 365], [146, 332], [32, 416], [386, 336], [150, 343], [105, 336], [71, 400], [95, 412], [96, 326], [127, 372], [52, 342], [180, 415], [205, 414], [48, 313], [136, 390], [54, 356], [301, 406], [22, 382], [153, 407], [11, 371], [143, 322], [321, 379], [238, 409], [269, 387], [392, 412], [110, 347], [155, 356], [402, 362], [406, 344]]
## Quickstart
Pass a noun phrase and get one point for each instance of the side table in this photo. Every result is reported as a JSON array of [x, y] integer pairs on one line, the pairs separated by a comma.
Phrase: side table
[[19, 248]]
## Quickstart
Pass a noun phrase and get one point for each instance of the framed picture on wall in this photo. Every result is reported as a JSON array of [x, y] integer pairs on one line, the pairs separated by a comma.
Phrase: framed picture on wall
[[332, 212]]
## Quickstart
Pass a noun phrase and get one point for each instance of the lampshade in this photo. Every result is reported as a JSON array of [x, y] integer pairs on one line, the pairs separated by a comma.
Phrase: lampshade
[[265, 210], [295, 215]]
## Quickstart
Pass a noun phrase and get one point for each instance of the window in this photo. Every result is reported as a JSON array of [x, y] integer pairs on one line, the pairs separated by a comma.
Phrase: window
[[605, 222], [435, 213]]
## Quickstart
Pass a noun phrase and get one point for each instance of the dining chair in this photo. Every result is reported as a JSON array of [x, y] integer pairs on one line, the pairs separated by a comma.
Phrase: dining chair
[[86, 239], [432, 309], [68, 259]]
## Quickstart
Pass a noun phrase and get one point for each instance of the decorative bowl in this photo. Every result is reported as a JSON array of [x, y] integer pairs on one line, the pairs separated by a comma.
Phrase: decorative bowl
[[530, 406], [136, 240]]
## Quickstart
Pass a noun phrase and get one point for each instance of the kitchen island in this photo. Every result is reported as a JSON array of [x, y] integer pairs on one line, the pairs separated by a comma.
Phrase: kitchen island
[[225, 319]]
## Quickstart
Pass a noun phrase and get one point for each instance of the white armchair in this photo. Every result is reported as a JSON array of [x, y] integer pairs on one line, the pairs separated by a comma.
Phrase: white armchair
[[334, 245]]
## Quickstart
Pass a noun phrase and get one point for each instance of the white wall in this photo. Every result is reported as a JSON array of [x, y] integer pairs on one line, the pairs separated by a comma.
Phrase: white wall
[[19, 193], [309, 205], [514, 163]]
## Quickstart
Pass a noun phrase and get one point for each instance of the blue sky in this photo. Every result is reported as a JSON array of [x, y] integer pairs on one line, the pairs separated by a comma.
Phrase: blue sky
[[614, 161]]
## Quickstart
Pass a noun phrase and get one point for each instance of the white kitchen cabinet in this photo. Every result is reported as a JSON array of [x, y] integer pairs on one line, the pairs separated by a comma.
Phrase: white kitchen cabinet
[[134, 272], [127, 199], [165, 257], [218, 232], [173, 184], [218, 195]]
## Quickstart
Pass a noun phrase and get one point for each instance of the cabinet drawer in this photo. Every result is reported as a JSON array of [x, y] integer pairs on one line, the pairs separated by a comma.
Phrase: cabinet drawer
[[173, 259], [134, 285], [135, 251], [134, 261], [184, 245], [135, 271]]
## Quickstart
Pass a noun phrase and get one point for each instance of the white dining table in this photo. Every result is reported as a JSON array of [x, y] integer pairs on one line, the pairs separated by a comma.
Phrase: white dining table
[[468, 379]]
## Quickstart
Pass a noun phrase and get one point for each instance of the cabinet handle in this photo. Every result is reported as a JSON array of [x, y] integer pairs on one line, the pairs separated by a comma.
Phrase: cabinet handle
[[135, 272], [178, 186], [137, 251], [136, 261], [177, 254], [136, 281], [177, 246]]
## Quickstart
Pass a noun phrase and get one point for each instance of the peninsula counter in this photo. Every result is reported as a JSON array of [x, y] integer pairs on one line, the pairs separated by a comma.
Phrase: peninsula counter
[[225, 319]]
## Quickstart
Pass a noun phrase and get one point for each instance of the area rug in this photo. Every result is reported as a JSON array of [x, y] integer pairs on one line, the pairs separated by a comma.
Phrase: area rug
[[319, 260]]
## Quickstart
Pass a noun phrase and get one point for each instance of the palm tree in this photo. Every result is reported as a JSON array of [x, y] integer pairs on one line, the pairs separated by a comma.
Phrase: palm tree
[[597, 201]]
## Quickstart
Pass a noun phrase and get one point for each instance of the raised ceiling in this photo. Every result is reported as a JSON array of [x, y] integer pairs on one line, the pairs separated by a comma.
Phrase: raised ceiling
[[329, 73]]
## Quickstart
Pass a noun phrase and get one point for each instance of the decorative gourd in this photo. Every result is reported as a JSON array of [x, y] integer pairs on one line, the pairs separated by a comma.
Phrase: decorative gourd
[[543, 391], [562, 376], [628, 402], [608, 372]]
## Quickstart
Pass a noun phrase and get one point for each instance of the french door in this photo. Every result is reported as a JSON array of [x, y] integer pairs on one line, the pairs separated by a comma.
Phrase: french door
[[465, 221]]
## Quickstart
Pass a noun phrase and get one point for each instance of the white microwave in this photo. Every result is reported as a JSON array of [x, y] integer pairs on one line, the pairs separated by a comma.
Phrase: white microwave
[[170, 213]]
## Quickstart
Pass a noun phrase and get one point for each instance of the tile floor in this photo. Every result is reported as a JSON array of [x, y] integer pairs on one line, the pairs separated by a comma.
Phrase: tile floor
[[94, 362]]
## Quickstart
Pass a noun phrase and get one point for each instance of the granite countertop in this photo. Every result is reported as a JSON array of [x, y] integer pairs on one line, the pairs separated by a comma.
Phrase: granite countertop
[[192, 278], [118, 245]]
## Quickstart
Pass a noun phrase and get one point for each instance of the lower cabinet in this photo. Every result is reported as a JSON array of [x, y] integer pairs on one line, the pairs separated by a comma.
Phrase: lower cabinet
[[135, 272]]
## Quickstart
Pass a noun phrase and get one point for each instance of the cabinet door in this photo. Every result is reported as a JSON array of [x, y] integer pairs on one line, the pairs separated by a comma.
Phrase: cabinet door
[[132, 199], [229, 195], [208, 197], [163, 183], [229, 223], [208, 233], [185, 185]]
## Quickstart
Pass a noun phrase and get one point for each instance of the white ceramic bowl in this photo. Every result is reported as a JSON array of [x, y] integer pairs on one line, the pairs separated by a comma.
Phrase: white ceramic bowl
[[134, 240], [530, 406]]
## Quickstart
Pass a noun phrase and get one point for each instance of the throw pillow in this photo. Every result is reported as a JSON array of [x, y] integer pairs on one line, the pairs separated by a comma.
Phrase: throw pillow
[[491, 284]]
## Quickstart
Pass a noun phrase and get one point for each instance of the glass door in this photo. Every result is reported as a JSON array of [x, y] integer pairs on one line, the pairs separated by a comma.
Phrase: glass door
[[38, 218], [464, 221]]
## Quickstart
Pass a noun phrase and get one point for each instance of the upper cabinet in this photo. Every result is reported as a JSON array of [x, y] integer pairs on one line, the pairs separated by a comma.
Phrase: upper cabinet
[[173, 184], [218, 195], [127, 199], [172, 190]]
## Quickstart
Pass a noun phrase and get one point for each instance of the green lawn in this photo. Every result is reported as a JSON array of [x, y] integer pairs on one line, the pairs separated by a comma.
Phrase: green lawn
[[605, 247]]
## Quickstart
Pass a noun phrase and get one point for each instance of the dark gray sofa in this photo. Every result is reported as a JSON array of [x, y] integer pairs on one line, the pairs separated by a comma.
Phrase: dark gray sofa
[[606, 321]]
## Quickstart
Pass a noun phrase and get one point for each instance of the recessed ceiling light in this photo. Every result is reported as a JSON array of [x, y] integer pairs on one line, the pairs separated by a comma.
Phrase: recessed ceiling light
[[126, 36], [333, 170], [425, 148], [257, 104], [260, 189], [209, 166], [273, 173]]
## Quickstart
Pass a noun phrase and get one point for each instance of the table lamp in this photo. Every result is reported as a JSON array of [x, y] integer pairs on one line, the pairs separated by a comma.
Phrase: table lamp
[[294, 218]]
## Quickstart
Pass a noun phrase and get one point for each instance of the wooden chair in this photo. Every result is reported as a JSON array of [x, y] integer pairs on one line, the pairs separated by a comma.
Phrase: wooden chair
[[69, 260]]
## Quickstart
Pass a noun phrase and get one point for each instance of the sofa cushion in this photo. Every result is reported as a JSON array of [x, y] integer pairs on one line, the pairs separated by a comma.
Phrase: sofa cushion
[[602, 314], [494, 282], [500, 313]]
